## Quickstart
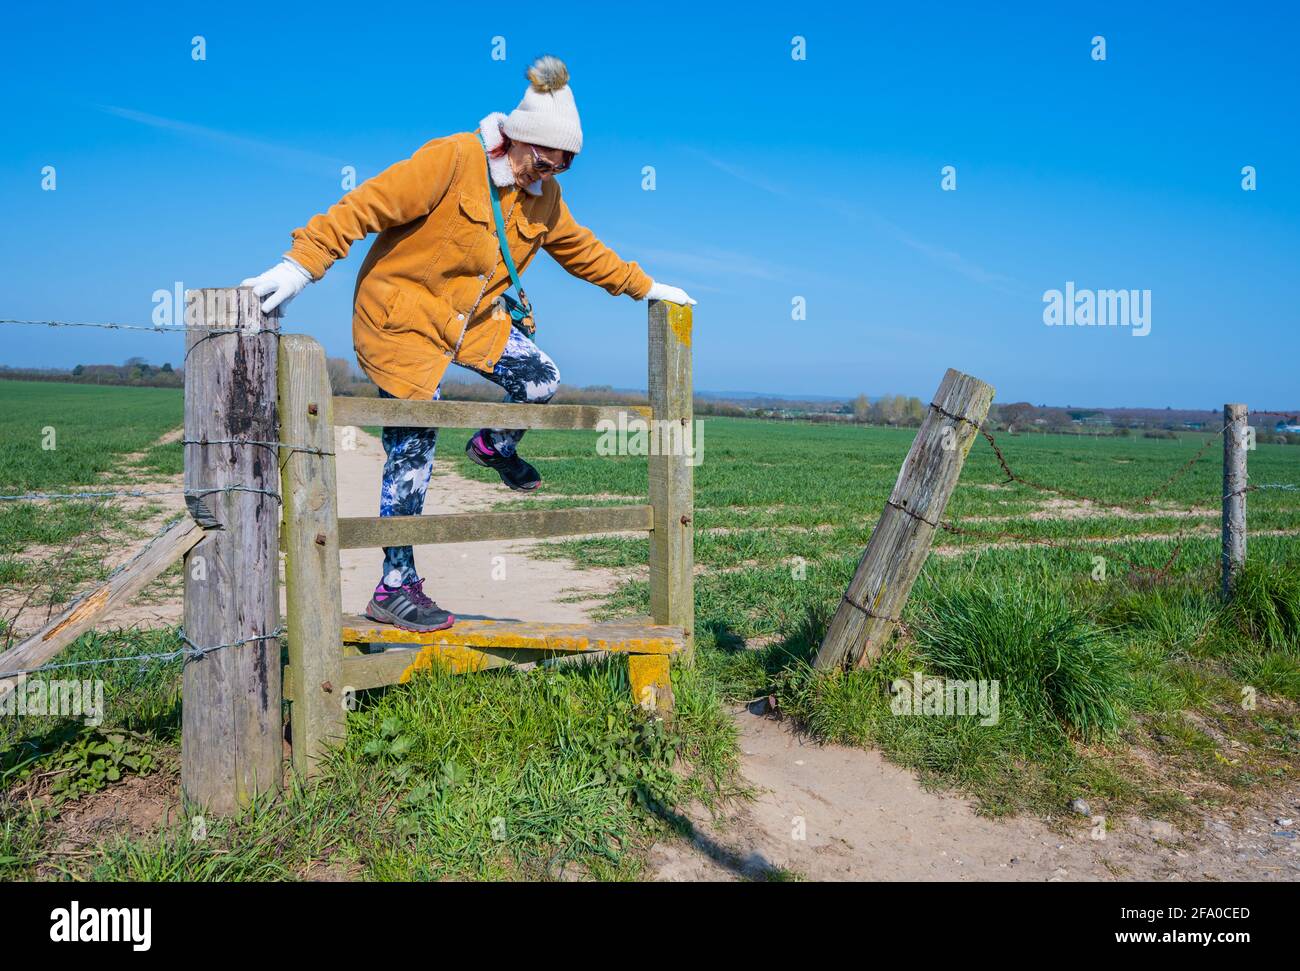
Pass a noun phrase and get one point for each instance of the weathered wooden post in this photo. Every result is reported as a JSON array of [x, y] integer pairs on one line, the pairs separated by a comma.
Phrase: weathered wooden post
[[672, 489], [310, 537], [873, 603], [231, 739], [1235, 435]]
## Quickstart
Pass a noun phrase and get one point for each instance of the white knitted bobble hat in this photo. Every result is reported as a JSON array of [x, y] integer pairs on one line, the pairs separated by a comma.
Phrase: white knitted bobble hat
[[548, 115]]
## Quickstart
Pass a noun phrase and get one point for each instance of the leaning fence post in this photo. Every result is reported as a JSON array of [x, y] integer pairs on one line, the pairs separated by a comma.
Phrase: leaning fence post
[[873, 603], [231, 735], [672, 490], [313, 594], [1235, 435]]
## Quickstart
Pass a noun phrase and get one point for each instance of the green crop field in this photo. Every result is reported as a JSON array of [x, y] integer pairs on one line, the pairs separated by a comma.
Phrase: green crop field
[[783, 511], [72, 438], [90, 428], [1120, 686]]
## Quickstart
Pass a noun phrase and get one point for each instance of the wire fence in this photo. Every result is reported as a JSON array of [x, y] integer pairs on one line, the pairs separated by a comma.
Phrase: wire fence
[[191, 651], [1141, 505], [141, 328], [188, 649]]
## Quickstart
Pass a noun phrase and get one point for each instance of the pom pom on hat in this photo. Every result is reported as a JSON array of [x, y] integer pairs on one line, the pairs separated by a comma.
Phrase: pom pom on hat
[[548, 73]]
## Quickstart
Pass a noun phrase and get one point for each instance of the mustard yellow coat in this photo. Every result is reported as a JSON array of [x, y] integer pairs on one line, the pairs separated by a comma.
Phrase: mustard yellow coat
[[425, 293]]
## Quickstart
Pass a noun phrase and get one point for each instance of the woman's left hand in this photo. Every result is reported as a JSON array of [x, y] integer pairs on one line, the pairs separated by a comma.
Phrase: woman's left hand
[[662, 291]]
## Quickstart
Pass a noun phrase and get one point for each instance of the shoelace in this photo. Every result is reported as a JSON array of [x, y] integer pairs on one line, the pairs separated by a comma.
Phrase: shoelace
[[416, 592]]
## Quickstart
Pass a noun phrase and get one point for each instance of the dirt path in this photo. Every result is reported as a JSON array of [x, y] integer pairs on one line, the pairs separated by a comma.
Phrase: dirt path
[[827, 812], [491, 579]]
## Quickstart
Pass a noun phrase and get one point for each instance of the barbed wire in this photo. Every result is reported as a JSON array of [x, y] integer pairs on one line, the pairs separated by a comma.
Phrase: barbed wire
[[308, 449], [193, 651], [154, 329], [149, 494], [1144, 501], [1142, 505], [188, 650], [137, 494]]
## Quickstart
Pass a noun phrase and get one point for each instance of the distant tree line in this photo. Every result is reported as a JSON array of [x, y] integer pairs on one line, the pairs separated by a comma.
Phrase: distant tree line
[[345, 379], [134, 372]]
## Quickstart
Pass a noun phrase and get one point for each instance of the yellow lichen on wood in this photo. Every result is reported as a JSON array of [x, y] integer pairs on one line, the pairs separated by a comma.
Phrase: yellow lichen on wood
[[451, 658], [503, 635], [652, 688], [679, 319]]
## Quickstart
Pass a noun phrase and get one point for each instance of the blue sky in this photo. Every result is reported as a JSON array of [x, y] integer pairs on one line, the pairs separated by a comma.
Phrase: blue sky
[[776, 179]]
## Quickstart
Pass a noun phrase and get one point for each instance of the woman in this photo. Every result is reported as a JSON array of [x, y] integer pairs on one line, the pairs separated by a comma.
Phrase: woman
[[429, 292]]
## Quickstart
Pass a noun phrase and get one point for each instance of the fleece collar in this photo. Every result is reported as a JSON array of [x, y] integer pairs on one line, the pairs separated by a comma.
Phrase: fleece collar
[[502, 174]]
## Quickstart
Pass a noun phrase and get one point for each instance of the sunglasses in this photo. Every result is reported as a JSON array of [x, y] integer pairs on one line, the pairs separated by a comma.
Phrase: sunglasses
[[544, 165]]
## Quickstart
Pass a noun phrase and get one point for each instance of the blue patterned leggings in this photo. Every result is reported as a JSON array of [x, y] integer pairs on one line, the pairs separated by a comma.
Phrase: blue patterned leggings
[[526, 373]]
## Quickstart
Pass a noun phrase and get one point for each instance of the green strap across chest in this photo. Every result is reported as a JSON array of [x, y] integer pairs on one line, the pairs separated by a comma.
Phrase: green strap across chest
[[501, 227]]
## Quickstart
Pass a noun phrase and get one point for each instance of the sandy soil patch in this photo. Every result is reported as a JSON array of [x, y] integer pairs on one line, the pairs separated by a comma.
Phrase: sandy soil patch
[[829, 812]]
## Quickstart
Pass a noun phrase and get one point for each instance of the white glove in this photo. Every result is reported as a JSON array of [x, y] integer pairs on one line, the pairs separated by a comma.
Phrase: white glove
[[282, 282], [662, 291]]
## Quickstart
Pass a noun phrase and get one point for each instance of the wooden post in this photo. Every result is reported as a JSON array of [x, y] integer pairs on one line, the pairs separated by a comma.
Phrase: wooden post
[[231, 734], [874, 601], [1235, 434], [672, 490], [310, 537]]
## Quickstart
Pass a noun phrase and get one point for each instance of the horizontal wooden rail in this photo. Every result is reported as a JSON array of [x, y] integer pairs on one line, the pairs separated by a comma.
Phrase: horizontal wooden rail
[[404, 413], [365, 532]]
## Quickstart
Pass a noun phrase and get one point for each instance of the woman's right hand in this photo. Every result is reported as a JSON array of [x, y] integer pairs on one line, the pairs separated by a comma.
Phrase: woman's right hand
[[662, 291], [280, 284]]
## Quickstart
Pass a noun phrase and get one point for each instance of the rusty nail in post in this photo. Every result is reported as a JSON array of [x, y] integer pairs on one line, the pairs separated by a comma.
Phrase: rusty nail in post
[[320, 539], [686, 520], [327, 687], [311, 408]]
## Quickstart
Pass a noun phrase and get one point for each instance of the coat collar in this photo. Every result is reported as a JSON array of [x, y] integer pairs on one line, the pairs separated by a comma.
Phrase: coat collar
[[502, 174]]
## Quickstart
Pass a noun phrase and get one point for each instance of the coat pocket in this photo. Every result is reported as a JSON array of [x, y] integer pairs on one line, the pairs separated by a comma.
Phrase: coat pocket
[[529, 230], [475, 209], [530, 237], [397, 317], [475, 235]]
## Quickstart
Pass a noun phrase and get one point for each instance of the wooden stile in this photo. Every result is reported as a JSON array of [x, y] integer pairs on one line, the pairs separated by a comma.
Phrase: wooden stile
[[310, 537], [232, 738], [361, 532], [405, 413], [672, 489]]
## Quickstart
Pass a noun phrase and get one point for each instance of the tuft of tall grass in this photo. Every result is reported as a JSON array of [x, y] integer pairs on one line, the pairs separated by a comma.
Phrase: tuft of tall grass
[[1265, 604], [1043, 651], [1175, 617]]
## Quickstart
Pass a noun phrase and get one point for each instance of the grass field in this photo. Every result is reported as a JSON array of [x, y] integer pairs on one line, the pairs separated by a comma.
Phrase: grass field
[[783, 512], [1126, 691], [70, 438]]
